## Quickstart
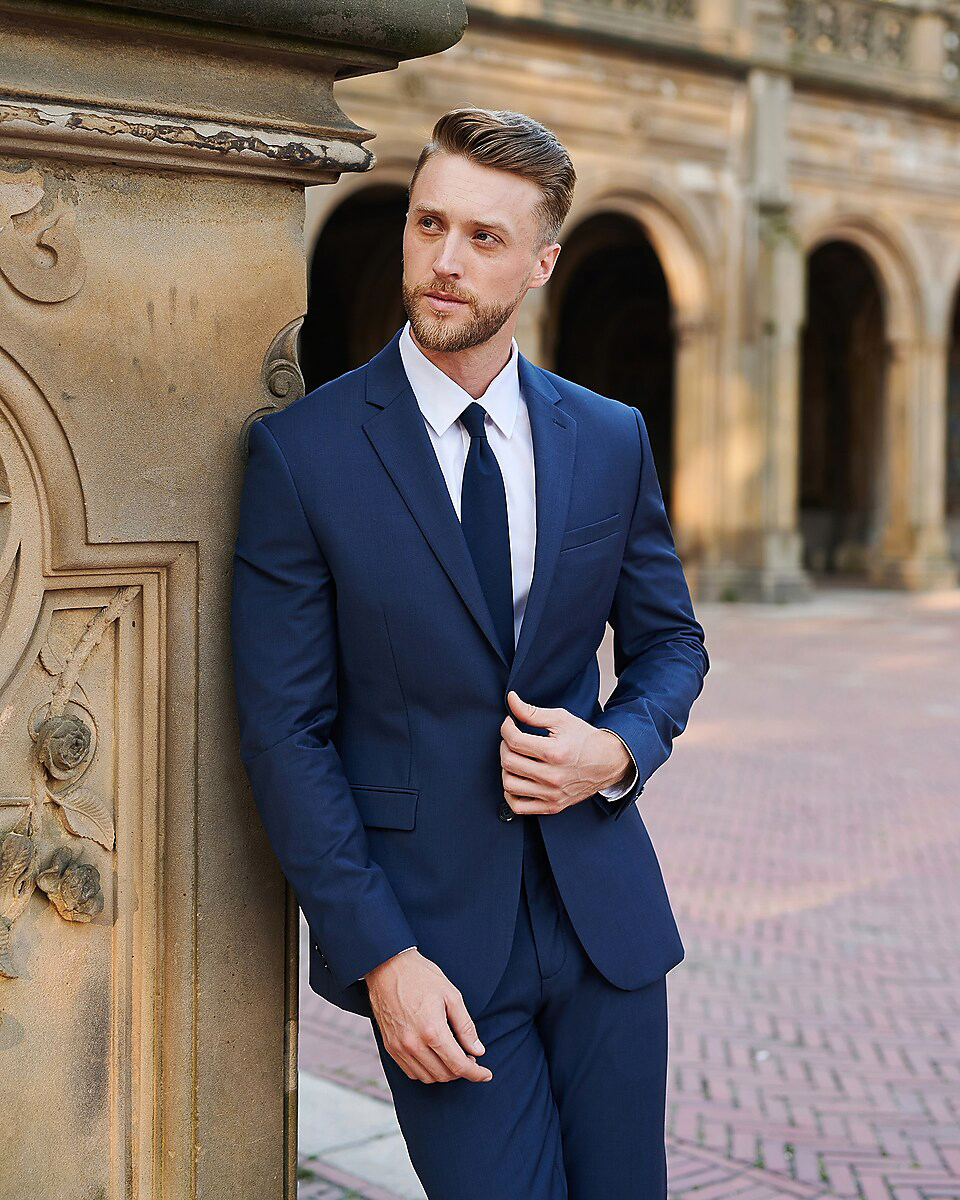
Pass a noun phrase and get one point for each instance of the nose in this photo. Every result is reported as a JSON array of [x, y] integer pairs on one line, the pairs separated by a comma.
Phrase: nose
[[448, 263]]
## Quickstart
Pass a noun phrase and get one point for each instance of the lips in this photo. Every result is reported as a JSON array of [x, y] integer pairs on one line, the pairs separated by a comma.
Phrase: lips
[[440, 302]]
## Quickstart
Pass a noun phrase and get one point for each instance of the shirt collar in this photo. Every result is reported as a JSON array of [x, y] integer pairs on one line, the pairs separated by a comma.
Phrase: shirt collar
[[442, 401]]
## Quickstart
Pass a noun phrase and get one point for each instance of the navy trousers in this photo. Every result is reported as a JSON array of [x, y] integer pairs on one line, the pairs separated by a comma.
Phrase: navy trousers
[[575, 1109]]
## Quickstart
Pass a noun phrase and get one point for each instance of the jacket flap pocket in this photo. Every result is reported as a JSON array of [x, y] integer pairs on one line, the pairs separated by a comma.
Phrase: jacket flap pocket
[[386, 807], [585, 534]]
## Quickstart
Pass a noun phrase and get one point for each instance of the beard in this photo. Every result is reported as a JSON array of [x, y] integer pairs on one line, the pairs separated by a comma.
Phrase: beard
[[435, 331]]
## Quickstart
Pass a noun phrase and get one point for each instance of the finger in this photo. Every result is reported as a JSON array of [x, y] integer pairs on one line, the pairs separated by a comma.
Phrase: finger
[[463, 1026], [445, 1047], [465, 1031], [527, 807], [533, 714], [524, 767], [526, 789], [436, 1069], [471, 1071], [532, 745], [408, 1065]]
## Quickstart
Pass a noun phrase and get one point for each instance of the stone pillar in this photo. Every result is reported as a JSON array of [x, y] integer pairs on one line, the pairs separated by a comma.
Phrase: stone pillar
[[153, 160], [695, 494], [761, 547], [912, 548]]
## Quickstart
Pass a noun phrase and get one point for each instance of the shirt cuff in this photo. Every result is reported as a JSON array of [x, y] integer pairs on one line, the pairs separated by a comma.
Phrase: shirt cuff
[[618, 790], [403, 951]]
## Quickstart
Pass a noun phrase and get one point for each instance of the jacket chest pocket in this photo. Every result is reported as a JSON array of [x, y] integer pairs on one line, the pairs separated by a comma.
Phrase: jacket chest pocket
[[586, 535]]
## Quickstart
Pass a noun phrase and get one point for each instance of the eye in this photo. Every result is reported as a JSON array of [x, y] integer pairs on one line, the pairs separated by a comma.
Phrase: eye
[[488, 238], [427, 223]]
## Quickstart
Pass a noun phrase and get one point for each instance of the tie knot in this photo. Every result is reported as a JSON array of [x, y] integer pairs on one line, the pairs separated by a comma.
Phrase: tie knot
[[472, 418]]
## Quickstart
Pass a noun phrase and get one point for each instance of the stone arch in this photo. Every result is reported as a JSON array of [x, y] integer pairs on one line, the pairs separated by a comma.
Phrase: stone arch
[[678, 238], [390, 172], [676, 230], [895, 262], [355, 257], [904, 422]]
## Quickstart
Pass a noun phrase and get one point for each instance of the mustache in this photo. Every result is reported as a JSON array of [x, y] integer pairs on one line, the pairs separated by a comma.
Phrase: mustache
[[446, 289]]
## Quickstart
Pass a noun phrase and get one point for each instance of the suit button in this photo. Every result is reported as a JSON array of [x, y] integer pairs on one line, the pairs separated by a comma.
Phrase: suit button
[[505, 812]]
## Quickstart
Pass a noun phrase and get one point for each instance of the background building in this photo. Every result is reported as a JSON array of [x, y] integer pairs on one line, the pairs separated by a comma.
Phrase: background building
[[763, 256]]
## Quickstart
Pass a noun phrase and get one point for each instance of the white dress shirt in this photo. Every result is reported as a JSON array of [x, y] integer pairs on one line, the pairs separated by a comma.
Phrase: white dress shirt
[[507, 425]]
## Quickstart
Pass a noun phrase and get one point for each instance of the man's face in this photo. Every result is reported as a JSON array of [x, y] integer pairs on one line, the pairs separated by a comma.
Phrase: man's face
[[471, 249]]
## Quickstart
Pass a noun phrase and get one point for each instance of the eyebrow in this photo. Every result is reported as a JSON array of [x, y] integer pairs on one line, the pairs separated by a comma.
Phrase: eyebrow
[[438, 212]]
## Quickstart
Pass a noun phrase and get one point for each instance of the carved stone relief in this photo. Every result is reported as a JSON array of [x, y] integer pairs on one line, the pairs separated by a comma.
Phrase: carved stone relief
[[40, 255], [40, 854], [64, 733], [857, 31], [280, 377]]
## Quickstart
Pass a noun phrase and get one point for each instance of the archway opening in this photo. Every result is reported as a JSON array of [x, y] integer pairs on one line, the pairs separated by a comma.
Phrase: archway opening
[[842, 380], [354, 299], [612, 330], [953, 432]]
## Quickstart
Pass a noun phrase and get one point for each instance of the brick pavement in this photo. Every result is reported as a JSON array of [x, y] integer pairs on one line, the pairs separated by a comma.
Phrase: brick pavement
[[808, 827]]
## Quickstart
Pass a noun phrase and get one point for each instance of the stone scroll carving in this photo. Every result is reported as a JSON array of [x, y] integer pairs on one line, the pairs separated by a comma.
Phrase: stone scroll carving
[[40, 255], [64, 733], [280, 377]]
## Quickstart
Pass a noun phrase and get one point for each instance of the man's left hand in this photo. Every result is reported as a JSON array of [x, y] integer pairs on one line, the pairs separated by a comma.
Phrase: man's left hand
[[545, 775]]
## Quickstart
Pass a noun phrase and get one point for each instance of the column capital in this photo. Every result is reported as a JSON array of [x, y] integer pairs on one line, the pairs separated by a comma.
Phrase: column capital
[[231, 87]]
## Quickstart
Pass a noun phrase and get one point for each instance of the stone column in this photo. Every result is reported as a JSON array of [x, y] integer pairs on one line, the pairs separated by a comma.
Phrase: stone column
[[761, 548], [696, 497], [912, 548], [153, 160]]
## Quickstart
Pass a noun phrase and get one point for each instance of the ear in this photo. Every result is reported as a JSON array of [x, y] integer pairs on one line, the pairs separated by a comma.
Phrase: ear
[[546, 261]]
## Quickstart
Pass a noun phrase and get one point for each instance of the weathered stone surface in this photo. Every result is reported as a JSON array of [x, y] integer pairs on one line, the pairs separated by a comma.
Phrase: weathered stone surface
[[408, 29]]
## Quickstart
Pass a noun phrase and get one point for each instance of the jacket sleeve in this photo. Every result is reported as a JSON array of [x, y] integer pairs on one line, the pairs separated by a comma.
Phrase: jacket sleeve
[[284, 645], [658, 645]]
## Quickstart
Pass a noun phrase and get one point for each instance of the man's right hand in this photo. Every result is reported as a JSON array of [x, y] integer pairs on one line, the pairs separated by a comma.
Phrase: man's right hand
[[423, 1021]]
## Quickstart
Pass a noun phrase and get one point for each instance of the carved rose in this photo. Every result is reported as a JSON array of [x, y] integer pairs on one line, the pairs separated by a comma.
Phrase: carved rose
[[63, 745], [73, 887]]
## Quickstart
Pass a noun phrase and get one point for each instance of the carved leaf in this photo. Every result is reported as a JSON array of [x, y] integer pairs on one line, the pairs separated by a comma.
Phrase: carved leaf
[[55, 653], [6, 962], [86, 815], [18, 873], [16, 854]]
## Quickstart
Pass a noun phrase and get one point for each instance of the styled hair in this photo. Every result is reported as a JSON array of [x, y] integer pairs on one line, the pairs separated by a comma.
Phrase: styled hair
[[509, 141]]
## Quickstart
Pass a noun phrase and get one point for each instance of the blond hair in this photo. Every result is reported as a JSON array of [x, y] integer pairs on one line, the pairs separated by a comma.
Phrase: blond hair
[[509, 141]]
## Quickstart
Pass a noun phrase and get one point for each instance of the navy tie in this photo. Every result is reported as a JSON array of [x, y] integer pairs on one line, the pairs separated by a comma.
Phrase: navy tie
[[483, 515]]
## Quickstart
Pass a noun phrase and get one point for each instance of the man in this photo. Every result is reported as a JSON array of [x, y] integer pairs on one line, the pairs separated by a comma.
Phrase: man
[[428, 553]]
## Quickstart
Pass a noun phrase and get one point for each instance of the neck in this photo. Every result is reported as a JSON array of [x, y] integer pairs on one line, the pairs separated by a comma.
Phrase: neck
[[473, 369]]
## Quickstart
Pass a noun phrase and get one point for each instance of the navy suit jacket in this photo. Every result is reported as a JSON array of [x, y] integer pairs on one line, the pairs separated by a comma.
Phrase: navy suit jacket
[[371, 688]]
